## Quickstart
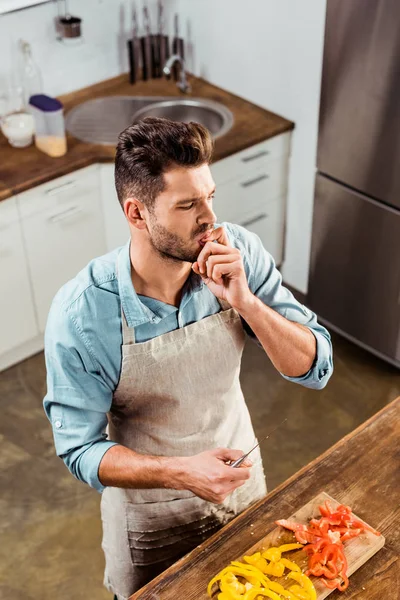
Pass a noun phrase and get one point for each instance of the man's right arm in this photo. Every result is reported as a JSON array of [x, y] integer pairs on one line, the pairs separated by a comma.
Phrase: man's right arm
[[207, 474], [77, 402]]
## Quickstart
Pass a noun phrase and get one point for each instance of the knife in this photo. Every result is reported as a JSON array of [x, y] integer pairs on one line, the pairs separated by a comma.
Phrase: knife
[[178, 47], [134, 49], [239, 461], [146, 46], [163, 42]]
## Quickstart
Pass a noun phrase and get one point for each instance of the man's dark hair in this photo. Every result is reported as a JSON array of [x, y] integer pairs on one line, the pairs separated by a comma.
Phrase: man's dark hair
[[147, 149]]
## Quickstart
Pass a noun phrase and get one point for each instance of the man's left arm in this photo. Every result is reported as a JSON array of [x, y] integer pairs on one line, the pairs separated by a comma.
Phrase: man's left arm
[[298, 346]]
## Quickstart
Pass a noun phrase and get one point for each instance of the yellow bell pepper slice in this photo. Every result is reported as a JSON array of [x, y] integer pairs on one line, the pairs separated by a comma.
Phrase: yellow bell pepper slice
[[252, 577], [305, 582], [299, 592], [279, 589], [272, 554], [276, 569], [259, 593], [251, 570], [257, 561], [233, 582], [288, 547], [290, 565]]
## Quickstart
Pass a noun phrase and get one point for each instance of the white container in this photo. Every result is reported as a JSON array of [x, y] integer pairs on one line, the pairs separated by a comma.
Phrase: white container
[[49, 125], [18, 129]]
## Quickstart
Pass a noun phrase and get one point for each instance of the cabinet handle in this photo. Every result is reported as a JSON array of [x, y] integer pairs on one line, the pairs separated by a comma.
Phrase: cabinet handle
[[61, 188], [254, 220], [253, 181], [246, 159], [65, 214]]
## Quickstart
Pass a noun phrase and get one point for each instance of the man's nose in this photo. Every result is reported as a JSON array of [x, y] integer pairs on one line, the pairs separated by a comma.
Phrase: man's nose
[[207, 216]]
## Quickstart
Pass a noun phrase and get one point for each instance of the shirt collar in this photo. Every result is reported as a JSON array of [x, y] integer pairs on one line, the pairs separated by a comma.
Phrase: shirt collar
[[136, 313]]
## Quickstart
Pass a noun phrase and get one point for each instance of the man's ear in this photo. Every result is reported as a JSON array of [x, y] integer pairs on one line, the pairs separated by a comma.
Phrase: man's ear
[[135, 212]]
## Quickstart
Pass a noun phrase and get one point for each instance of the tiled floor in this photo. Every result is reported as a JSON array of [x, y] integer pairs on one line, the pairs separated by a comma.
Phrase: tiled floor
[[50, 527]]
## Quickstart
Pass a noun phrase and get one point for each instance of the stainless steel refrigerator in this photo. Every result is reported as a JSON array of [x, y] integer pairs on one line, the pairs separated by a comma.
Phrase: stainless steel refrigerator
[[354, 282]]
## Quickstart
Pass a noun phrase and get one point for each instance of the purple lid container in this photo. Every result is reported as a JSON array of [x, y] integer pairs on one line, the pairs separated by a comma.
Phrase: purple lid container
[[45, 103]]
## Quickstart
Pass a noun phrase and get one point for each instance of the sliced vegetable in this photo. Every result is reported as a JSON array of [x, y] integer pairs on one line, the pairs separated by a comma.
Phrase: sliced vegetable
[[324, 538], [248, 580]]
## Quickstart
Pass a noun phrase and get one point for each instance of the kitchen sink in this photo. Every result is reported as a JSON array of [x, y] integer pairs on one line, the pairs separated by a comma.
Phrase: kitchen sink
[[101, 120]]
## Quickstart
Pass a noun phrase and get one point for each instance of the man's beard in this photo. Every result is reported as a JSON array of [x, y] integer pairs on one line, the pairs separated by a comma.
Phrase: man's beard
[[172, 247]]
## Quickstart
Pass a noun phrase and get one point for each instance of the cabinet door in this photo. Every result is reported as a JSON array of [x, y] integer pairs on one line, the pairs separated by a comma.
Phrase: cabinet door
[[116, 225], [60, 240], [241, 196], [268, 222], [255, 158], [17, 315]]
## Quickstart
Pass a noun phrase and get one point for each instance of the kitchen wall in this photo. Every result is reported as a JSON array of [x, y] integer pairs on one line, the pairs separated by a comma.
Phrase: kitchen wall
[[100, 53], [269, 51]]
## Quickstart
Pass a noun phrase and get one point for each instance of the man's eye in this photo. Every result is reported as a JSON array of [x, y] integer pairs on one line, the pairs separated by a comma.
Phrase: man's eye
[[187, 206]]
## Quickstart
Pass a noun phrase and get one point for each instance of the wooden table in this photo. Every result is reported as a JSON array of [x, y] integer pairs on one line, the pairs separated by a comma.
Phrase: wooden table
[[362, 470]]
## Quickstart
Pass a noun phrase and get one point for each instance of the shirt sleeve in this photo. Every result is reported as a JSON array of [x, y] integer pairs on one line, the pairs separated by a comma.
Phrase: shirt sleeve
[[77, 399], [265, 281]]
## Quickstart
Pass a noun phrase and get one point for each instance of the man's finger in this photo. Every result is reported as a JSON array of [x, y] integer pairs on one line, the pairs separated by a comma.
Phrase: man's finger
[[219, 235], [226, 454], [219, 259], [212, 249]]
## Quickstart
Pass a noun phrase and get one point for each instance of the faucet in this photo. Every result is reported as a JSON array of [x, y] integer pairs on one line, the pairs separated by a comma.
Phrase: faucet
[[183, 83]]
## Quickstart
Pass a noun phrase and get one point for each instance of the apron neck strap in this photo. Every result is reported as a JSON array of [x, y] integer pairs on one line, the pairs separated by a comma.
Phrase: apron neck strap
[[128, 333]]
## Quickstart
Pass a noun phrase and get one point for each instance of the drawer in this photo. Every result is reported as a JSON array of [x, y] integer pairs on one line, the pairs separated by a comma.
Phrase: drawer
[[268, 222], [60, 191], [237, 198], [254, 158], [8, 213]]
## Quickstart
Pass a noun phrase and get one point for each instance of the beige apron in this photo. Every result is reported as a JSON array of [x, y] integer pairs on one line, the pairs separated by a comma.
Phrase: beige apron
[[179, 394]]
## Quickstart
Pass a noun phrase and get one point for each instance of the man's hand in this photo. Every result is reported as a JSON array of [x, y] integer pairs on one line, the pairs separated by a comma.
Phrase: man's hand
[[208, 476], [221, 268]]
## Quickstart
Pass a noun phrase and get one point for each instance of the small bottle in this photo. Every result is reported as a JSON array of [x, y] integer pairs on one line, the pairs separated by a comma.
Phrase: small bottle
[[31, 75], [49, 125]]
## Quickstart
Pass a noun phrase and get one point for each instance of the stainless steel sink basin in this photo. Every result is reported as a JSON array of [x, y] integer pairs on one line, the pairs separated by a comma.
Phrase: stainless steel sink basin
[[212, 115], [101, 120]]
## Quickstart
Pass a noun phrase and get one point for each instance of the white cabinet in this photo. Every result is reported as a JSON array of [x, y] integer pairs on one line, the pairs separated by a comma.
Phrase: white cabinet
[[254, 158], [63, 229], [251, 191], [116, 225], [268, 222], [17, 315]]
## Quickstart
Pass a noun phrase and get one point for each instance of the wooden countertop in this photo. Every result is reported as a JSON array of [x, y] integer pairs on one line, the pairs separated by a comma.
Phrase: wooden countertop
[[21, 169], [361, 470]]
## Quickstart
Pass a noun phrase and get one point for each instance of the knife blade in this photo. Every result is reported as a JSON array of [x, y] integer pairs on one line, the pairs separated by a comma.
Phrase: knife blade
[[240, 460]]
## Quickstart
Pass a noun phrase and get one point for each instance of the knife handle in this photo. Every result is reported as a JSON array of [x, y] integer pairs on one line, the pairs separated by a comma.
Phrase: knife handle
[[178, 47], [146, 57]]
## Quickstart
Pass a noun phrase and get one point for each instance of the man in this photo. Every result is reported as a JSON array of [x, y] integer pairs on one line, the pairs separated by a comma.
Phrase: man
[[148, 339]]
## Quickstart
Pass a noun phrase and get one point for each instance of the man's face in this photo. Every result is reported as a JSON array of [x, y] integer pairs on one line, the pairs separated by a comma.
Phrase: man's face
[[182, 214]]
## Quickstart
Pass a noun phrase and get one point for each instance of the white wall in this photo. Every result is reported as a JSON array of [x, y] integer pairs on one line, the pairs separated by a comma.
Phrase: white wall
[[100, 54], [268, 51]]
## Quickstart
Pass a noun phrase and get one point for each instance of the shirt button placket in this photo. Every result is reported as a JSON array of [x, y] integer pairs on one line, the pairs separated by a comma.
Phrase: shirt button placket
[[180, 320]]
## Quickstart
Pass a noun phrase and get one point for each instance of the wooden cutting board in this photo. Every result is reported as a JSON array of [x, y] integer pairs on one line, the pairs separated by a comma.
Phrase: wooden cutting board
[[357, 550]]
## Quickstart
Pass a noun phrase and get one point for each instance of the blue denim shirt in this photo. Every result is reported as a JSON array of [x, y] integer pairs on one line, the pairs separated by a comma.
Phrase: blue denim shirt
[[84, 336]]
